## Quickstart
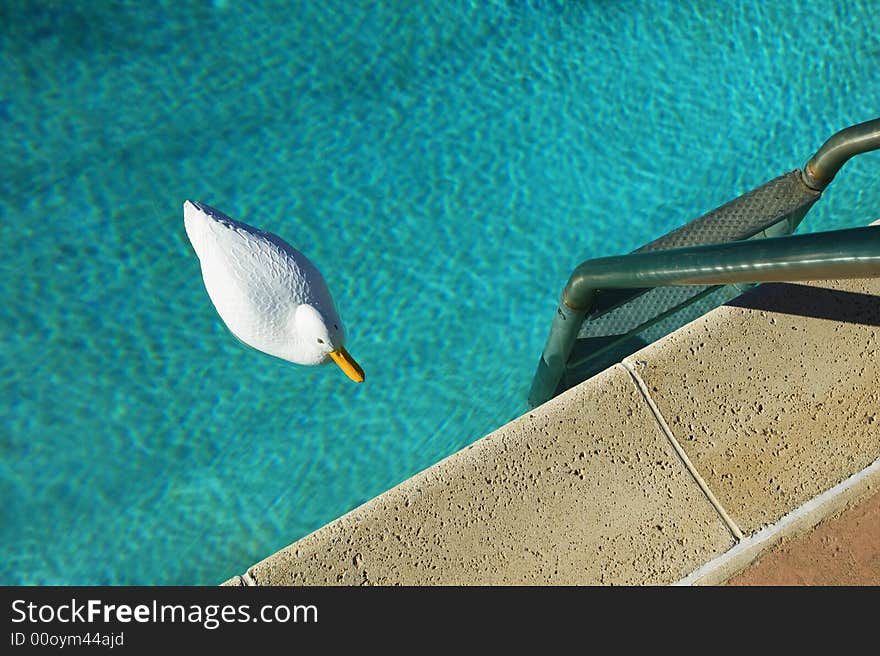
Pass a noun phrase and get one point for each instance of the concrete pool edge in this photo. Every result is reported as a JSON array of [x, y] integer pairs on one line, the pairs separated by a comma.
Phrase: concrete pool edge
[[681, 465]]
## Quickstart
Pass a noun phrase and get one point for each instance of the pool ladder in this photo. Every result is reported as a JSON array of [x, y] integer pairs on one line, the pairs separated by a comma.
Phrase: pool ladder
[[609, 301]]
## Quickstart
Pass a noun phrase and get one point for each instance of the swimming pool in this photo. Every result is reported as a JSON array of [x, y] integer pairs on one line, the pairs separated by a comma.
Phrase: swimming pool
[[445, 164]]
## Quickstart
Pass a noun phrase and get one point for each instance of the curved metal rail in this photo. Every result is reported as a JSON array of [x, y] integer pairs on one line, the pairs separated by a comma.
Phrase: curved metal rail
[[853, 253], [840, 147]]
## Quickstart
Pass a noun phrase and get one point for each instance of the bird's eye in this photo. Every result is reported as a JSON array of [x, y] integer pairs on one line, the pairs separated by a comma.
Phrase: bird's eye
[[320, 341], [335, 326]]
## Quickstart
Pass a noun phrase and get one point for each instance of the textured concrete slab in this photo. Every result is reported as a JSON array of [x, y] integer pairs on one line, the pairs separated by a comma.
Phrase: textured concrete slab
[[799, 522], [584, 490], [775, 398], [842, 550]]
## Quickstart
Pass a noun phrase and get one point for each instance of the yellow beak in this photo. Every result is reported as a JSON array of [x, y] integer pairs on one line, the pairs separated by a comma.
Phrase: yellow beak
[[351, 368]]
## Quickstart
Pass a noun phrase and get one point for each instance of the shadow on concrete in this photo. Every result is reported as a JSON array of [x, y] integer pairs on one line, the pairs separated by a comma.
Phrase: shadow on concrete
[[815, 302]]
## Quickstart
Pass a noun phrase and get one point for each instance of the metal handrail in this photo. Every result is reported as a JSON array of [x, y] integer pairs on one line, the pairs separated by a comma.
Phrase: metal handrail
[[838, 149], [850, 253], [837, 254]]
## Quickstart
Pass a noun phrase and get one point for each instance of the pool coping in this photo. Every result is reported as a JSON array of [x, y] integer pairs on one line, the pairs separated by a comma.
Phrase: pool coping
[[738, 482]]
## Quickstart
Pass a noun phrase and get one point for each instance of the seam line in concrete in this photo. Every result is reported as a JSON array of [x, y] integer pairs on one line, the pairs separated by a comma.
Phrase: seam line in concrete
[[771, 533], [658, 416]]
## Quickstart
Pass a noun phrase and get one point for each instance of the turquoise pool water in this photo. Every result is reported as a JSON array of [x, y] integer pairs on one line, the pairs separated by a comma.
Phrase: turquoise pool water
[[444, 164]]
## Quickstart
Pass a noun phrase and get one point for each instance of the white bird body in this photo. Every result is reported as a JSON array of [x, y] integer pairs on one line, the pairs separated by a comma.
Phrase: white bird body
[[268, 294]]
